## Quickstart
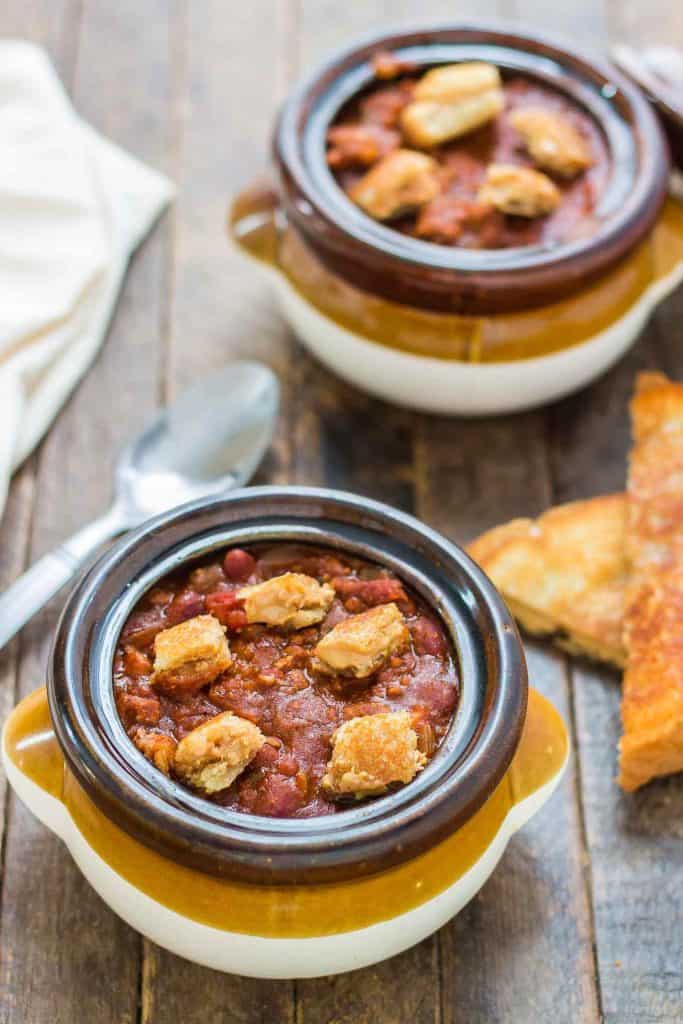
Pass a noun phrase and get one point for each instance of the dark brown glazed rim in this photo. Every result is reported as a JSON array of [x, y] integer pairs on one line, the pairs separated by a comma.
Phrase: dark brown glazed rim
[[378, 259], [164, 815]]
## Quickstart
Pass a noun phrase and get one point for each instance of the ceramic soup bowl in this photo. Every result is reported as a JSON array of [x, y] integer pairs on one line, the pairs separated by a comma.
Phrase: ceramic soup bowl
[[448, 329], [291, 897]]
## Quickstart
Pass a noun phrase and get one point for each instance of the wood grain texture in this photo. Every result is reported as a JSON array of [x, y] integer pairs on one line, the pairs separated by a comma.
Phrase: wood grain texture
[[634, 842], [50, 900], [532, 919], [471, 475], [228, 76], [594, 882]]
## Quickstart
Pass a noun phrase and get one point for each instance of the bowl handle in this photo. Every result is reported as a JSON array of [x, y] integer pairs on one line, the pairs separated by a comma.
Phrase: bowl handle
[[540, 759], [254, 220], [35, 766], [33, 761]]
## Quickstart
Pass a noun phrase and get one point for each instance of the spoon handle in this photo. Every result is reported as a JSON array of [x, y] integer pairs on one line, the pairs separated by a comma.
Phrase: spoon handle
[[30, 592]]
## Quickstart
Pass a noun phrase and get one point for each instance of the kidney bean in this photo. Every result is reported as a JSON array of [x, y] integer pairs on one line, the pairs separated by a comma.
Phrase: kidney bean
[[238, 564], [278, 797], [142, 627], [185, 605], [427, 637]]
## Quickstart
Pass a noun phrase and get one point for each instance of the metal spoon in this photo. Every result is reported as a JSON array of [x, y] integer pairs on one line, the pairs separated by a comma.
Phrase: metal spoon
[[210, 440]]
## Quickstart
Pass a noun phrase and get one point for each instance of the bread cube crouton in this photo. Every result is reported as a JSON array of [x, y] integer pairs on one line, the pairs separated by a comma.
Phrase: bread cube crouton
[[292, 600], [212, 756], [426, 123], [371, 752], [455, 82], [450, 102], [399, 183], [518, 191], [157, 748], [360, 644], [190, 655], [552, 141]]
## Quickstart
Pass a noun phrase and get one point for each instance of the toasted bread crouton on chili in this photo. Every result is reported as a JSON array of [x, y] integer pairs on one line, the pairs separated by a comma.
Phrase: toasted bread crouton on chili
[[359, 645], [452, 101], [518, 191], [400, 182], [564, 574], [652, 694], [157, 747], [552, 141], [190, 655], [371, 752], [454, 82], [427, 124], [292, 600], [212, 756]]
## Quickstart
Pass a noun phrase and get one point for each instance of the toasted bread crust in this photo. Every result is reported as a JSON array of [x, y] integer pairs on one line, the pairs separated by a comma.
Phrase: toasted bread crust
[[371, 752], [402, 181], [652, 702], [552, 141], [291, 600], [564, 573], [519, 191], [359, 645]]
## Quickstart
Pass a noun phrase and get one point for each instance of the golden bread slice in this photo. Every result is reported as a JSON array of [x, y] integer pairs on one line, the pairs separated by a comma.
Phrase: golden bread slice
[[652, 701], [564, 574]]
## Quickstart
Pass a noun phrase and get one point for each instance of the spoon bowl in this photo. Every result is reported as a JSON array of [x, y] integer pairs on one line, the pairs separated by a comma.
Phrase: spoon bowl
[[210, 440]]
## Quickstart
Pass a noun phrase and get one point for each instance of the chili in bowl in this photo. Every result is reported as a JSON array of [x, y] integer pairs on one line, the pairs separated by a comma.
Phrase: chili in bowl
[[334, 682], [465, 218], [283, 723]]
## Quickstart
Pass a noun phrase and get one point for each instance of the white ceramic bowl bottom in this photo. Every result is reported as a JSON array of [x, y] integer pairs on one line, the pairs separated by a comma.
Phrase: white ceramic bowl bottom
[[253, 955], [457, 388]]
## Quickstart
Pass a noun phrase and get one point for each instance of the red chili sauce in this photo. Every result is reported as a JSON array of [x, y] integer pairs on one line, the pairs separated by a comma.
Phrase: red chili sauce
[[271, 680], [463, 163]]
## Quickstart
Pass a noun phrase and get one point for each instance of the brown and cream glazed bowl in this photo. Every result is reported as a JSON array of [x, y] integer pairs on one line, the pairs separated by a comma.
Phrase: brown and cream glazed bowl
[[477, 329], [285, 897]]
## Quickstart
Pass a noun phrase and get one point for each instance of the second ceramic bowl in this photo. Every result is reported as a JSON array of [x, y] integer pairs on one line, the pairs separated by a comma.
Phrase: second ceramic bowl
[[285, 897], [452, 330]]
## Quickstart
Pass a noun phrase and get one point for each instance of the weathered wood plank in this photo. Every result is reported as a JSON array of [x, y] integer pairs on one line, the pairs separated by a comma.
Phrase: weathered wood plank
[[364, 446], [230, 74], [634, 841], [55, 27], [120, 74], [522, 950]]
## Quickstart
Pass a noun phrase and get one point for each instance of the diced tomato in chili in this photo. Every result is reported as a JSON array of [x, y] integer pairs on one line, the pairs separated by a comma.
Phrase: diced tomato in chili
[[228, 609], [371, 592]]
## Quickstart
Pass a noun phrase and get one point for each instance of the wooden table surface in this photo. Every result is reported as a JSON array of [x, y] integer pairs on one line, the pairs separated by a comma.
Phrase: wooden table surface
[[581, 922]]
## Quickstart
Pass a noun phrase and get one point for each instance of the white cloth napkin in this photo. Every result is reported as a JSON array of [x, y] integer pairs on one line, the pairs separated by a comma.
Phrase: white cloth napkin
[[73, 207]]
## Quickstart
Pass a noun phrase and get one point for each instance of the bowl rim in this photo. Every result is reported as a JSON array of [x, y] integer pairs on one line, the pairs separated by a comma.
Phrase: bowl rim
[[486, 729], [441, 277]]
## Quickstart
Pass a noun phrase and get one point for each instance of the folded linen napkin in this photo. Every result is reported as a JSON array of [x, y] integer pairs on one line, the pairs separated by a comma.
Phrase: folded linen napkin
[[73, 207]]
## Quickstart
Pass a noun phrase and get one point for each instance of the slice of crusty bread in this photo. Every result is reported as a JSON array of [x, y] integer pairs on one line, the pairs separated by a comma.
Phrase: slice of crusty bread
[[564, 574], [652, 702]]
